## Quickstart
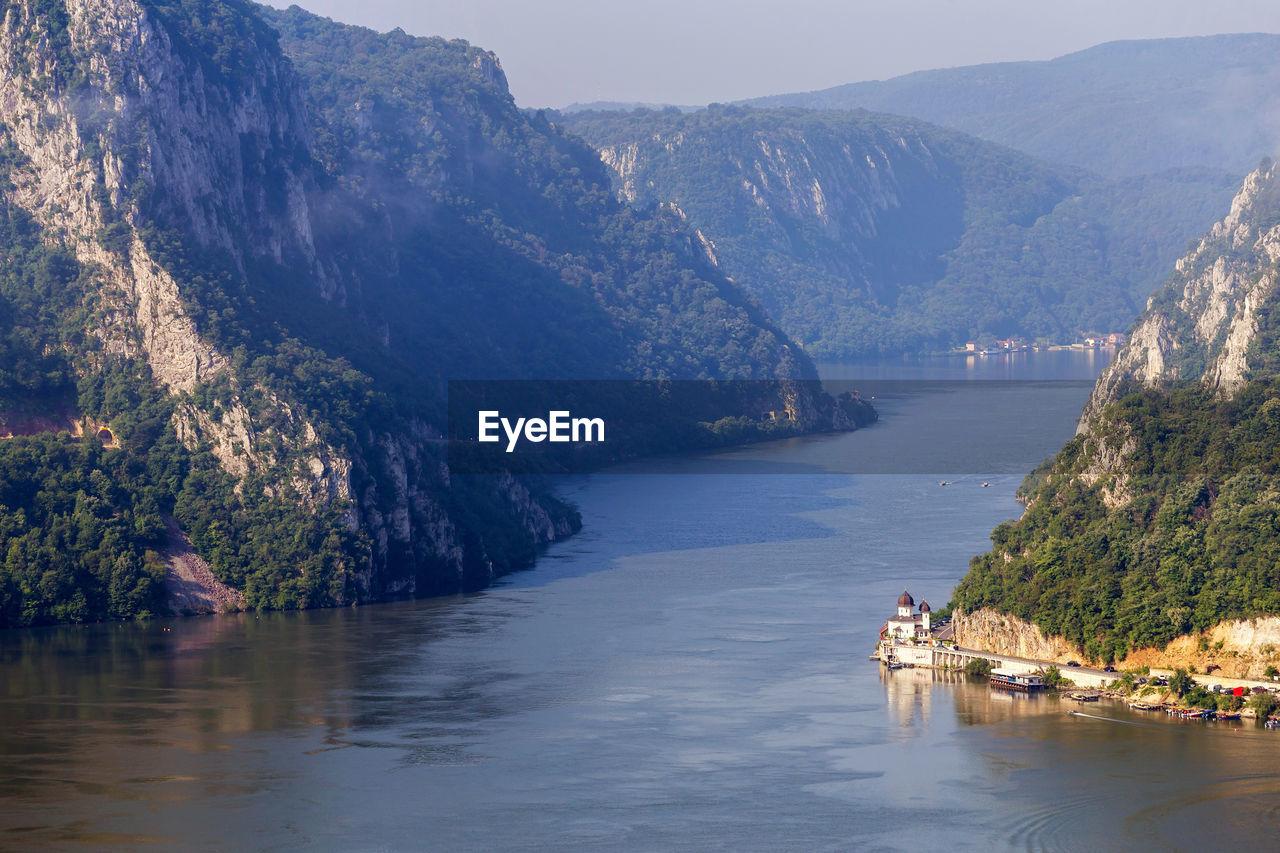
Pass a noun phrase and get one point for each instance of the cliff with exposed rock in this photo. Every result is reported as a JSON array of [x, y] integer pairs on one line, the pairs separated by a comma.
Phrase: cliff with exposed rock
[[868, 234], [257, 245], [1154, 536]]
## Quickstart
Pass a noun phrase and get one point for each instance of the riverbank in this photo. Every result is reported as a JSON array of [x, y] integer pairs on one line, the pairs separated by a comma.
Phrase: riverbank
[[1147, 686]]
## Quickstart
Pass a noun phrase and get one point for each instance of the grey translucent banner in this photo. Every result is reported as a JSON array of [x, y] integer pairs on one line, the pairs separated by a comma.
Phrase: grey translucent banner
[[933, 427]]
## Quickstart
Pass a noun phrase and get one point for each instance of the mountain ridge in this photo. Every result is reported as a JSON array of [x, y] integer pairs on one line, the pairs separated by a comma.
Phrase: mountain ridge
[[1119, 108], [868, 234]]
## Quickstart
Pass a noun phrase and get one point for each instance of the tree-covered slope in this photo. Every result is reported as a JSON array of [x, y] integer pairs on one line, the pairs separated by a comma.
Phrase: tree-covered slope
[[868, 234], [1162, 517], [256, 245], [1121, 108]]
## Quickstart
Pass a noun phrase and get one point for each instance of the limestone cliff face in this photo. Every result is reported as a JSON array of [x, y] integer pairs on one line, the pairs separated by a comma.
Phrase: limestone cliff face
[[144, 137], [1239, 648], [123, 130], [789, 189], [790, 176], [1204, 324], [1008, 635]]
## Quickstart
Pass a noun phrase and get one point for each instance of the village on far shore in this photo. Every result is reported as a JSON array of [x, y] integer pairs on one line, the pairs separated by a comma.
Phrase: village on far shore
[[911, 638], [1000, 346]]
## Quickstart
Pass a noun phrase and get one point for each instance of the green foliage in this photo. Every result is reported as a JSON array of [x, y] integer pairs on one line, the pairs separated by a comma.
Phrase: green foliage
[[978, 667], [1198, 542], [1264, 704], [1034, 480], [977, 242], [224, 38], [1271, 672], [82, 526], [1229, 702], [43, 292], [1054, 679], [436, 168], [79, 538], [1196, 696]]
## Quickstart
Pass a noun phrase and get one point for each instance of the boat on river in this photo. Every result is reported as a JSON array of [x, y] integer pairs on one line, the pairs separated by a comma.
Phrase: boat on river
[[1023, 682]]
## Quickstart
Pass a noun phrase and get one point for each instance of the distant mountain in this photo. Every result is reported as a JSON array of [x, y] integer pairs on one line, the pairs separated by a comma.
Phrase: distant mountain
[[625, 106], [1121, 108], [1160, 522], [869, 234]]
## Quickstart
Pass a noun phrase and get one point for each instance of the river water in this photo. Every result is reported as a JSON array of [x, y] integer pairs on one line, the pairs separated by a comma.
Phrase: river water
[[689, 673]]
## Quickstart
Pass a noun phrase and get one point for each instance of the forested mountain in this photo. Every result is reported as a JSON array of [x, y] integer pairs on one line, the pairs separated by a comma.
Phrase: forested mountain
[[1162, 517], [1121, 108], [869, 234], [254, 245]]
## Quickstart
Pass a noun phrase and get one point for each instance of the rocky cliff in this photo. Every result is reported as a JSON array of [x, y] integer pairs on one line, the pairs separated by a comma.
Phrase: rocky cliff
[[1153, 535], [1235, 648], [260, 244], [1009, 635], [868, 233], [1209, 322]]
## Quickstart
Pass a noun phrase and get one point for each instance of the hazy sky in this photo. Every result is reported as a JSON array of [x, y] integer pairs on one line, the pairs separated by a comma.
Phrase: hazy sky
[[697, 51]]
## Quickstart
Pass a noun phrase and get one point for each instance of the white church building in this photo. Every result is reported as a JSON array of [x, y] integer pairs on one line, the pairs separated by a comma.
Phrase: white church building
[[907, 624]]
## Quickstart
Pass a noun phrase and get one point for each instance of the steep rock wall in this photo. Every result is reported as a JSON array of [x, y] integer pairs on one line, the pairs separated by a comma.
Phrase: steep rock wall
[[121, 129], [1205, 322], [1240, 648], [1008, 635]]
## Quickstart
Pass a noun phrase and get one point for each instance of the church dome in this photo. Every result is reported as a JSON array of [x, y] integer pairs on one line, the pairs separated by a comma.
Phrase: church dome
[[924, 607], [905, 600]]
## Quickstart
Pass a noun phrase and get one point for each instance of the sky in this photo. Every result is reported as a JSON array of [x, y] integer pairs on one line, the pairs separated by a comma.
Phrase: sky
[[556, 52]]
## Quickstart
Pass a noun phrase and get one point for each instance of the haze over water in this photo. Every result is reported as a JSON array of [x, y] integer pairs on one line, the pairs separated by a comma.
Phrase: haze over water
[[690, 672]]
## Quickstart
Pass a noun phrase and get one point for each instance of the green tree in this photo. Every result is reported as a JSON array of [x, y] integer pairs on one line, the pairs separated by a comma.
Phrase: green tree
[[980, 667], [1264, 704], [1180, 682], [1054, 678]]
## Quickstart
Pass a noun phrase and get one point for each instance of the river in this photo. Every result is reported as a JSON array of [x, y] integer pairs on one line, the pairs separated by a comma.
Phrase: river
[[688, 673]]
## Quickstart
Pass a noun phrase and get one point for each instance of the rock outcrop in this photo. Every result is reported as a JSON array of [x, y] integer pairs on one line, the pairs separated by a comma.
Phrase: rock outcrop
[[1239, 648], [280, 238], [1008, 635], [1204, 324]]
